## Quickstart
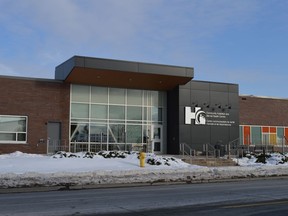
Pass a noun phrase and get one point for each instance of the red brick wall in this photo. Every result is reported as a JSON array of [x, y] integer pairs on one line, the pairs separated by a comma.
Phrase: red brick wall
[[263, 111], [42, 101]]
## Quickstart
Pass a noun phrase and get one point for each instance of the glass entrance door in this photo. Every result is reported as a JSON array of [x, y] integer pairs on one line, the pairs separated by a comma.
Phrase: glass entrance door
[[157, 138]]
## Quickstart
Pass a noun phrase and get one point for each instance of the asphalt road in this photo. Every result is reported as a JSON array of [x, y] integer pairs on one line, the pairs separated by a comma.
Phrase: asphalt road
[[252, 197]]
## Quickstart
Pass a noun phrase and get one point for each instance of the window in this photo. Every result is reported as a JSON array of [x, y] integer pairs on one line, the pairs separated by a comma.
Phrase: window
[[80, 93], [13, 129], [103, 115], [80, 111]]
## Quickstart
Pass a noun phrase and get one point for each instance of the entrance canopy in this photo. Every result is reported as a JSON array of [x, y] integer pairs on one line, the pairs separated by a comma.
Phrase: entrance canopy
[[122, 74]]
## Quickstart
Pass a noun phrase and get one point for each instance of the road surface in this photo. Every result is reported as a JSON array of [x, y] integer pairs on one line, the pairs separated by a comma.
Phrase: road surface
[[245, 197]]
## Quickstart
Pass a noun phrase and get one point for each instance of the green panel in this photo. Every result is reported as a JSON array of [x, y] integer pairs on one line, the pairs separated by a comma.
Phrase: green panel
[[280, 132], [280, 135], [256, 135]]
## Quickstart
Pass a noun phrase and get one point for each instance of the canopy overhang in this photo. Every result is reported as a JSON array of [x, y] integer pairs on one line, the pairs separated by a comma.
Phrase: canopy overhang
[[122, 74]]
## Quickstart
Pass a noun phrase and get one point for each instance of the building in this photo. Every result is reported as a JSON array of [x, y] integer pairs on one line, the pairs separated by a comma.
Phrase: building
[[98, 104], [263, 121]]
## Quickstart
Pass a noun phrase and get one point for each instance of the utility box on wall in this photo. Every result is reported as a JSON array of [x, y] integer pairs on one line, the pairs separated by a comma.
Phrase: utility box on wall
[[208, 113]]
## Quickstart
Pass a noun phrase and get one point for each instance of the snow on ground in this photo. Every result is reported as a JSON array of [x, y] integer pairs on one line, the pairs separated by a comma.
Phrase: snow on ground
[[27, 170]]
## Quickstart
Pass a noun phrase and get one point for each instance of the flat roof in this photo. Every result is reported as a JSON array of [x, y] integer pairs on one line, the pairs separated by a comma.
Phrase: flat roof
[[122, 74], [263, 97]]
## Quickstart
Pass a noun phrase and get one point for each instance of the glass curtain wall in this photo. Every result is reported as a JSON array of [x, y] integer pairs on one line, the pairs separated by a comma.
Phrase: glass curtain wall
[[105, 118]]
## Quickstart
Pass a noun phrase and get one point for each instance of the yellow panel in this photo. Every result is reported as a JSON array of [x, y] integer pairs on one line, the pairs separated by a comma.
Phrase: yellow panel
[[273, 139]]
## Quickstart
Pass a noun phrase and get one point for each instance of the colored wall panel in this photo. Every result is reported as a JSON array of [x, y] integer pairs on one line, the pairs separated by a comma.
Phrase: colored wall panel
[[273, 139], [280, 135], [256, 135], [247, 135], [265, 129], [286, 132], [241, 135], [286, 136], [272, 129], [280, 132]]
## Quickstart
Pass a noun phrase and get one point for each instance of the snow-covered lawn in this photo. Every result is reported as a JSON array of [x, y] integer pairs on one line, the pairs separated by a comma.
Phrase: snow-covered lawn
[[26, 170]]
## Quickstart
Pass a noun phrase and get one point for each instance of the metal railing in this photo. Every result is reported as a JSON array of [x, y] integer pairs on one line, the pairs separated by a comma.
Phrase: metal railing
[[186, 150], [233, 148], [209, 150], [54, 146]]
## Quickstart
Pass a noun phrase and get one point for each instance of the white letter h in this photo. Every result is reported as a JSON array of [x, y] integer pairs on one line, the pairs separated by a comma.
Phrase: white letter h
[[189, 115]]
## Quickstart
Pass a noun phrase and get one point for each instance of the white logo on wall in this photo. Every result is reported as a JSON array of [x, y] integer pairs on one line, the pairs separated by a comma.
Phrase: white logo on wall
[[198, 115], [201, 117]]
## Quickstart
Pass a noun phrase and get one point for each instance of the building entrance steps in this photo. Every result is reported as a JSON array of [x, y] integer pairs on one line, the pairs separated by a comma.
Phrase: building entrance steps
[[204, 161]]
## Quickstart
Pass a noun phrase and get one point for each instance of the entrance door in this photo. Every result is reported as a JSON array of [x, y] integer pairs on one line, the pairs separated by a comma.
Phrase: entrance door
[[53, 137], [157, 138]]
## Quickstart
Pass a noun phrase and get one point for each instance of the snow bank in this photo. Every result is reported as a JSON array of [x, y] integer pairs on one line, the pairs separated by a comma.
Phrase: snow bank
[[28, 170]]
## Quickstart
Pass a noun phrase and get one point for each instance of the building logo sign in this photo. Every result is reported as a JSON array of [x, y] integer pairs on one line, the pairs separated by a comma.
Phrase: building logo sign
[[198, 115], [201, 117]]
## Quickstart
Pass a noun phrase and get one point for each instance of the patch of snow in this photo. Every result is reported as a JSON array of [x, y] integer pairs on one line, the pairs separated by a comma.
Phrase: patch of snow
[[26, 170]]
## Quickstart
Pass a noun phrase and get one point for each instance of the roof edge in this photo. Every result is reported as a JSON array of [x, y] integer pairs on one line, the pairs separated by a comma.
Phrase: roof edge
[[63, 70]]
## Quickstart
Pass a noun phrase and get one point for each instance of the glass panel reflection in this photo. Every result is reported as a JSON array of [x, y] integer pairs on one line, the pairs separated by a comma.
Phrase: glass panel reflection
[[117, 112], [99, 94], [116, 96], [134, 133], [134, 113], [98, 133], [114, 117], [80, 93], [116, 133], [134, 97], [79, 132], [79, 110], [99, 111]]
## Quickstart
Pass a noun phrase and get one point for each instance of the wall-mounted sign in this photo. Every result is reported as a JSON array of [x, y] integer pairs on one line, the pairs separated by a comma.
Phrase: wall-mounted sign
[[201, 117], [198, 115]]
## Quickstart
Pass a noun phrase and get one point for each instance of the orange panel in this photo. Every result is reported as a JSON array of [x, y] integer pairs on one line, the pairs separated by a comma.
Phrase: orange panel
[[272, 129], [265, 129], [286, 135], [247, 135]]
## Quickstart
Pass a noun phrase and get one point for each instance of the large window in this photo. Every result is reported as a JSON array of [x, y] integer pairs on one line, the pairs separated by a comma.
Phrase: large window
[[119, 117], [13, 129]]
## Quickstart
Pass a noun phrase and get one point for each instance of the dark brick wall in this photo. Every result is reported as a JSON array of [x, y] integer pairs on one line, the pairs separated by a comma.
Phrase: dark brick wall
[[263, 111], [42, 101]]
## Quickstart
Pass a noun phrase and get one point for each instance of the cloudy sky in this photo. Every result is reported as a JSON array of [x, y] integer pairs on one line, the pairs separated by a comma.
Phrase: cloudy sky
[[237, 41]]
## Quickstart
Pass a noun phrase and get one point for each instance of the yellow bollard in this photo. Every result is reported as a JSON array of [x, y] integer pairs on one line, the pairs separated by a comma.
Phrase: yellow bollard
[[142, 159]]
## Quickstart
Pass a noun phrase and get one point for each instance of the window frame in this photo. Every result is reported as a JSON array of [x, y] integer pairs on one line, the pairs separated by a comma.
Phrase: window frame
[[16, 141]]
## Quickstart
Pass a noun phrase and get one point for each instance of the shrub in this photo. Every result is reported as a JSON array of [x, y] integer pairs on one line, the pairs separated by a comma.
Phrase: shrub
[[262, 158]]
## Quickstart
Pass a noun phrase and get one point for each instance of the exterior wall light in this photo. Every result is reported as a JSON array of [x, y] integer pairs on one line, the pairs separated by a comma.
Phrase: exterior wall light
[[206, 105], [228, 106]]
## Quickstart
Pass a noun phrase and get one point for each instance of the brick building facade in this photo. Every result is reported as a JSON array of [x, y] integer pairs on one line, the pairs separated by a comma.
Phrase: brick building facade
[[263, 120], [42, 102], [99, 104]]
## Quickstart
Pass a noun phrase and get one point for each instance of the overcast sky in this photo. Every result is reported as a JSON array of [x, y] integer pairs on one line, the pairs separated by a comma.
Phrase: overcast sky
[[235, 41]]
